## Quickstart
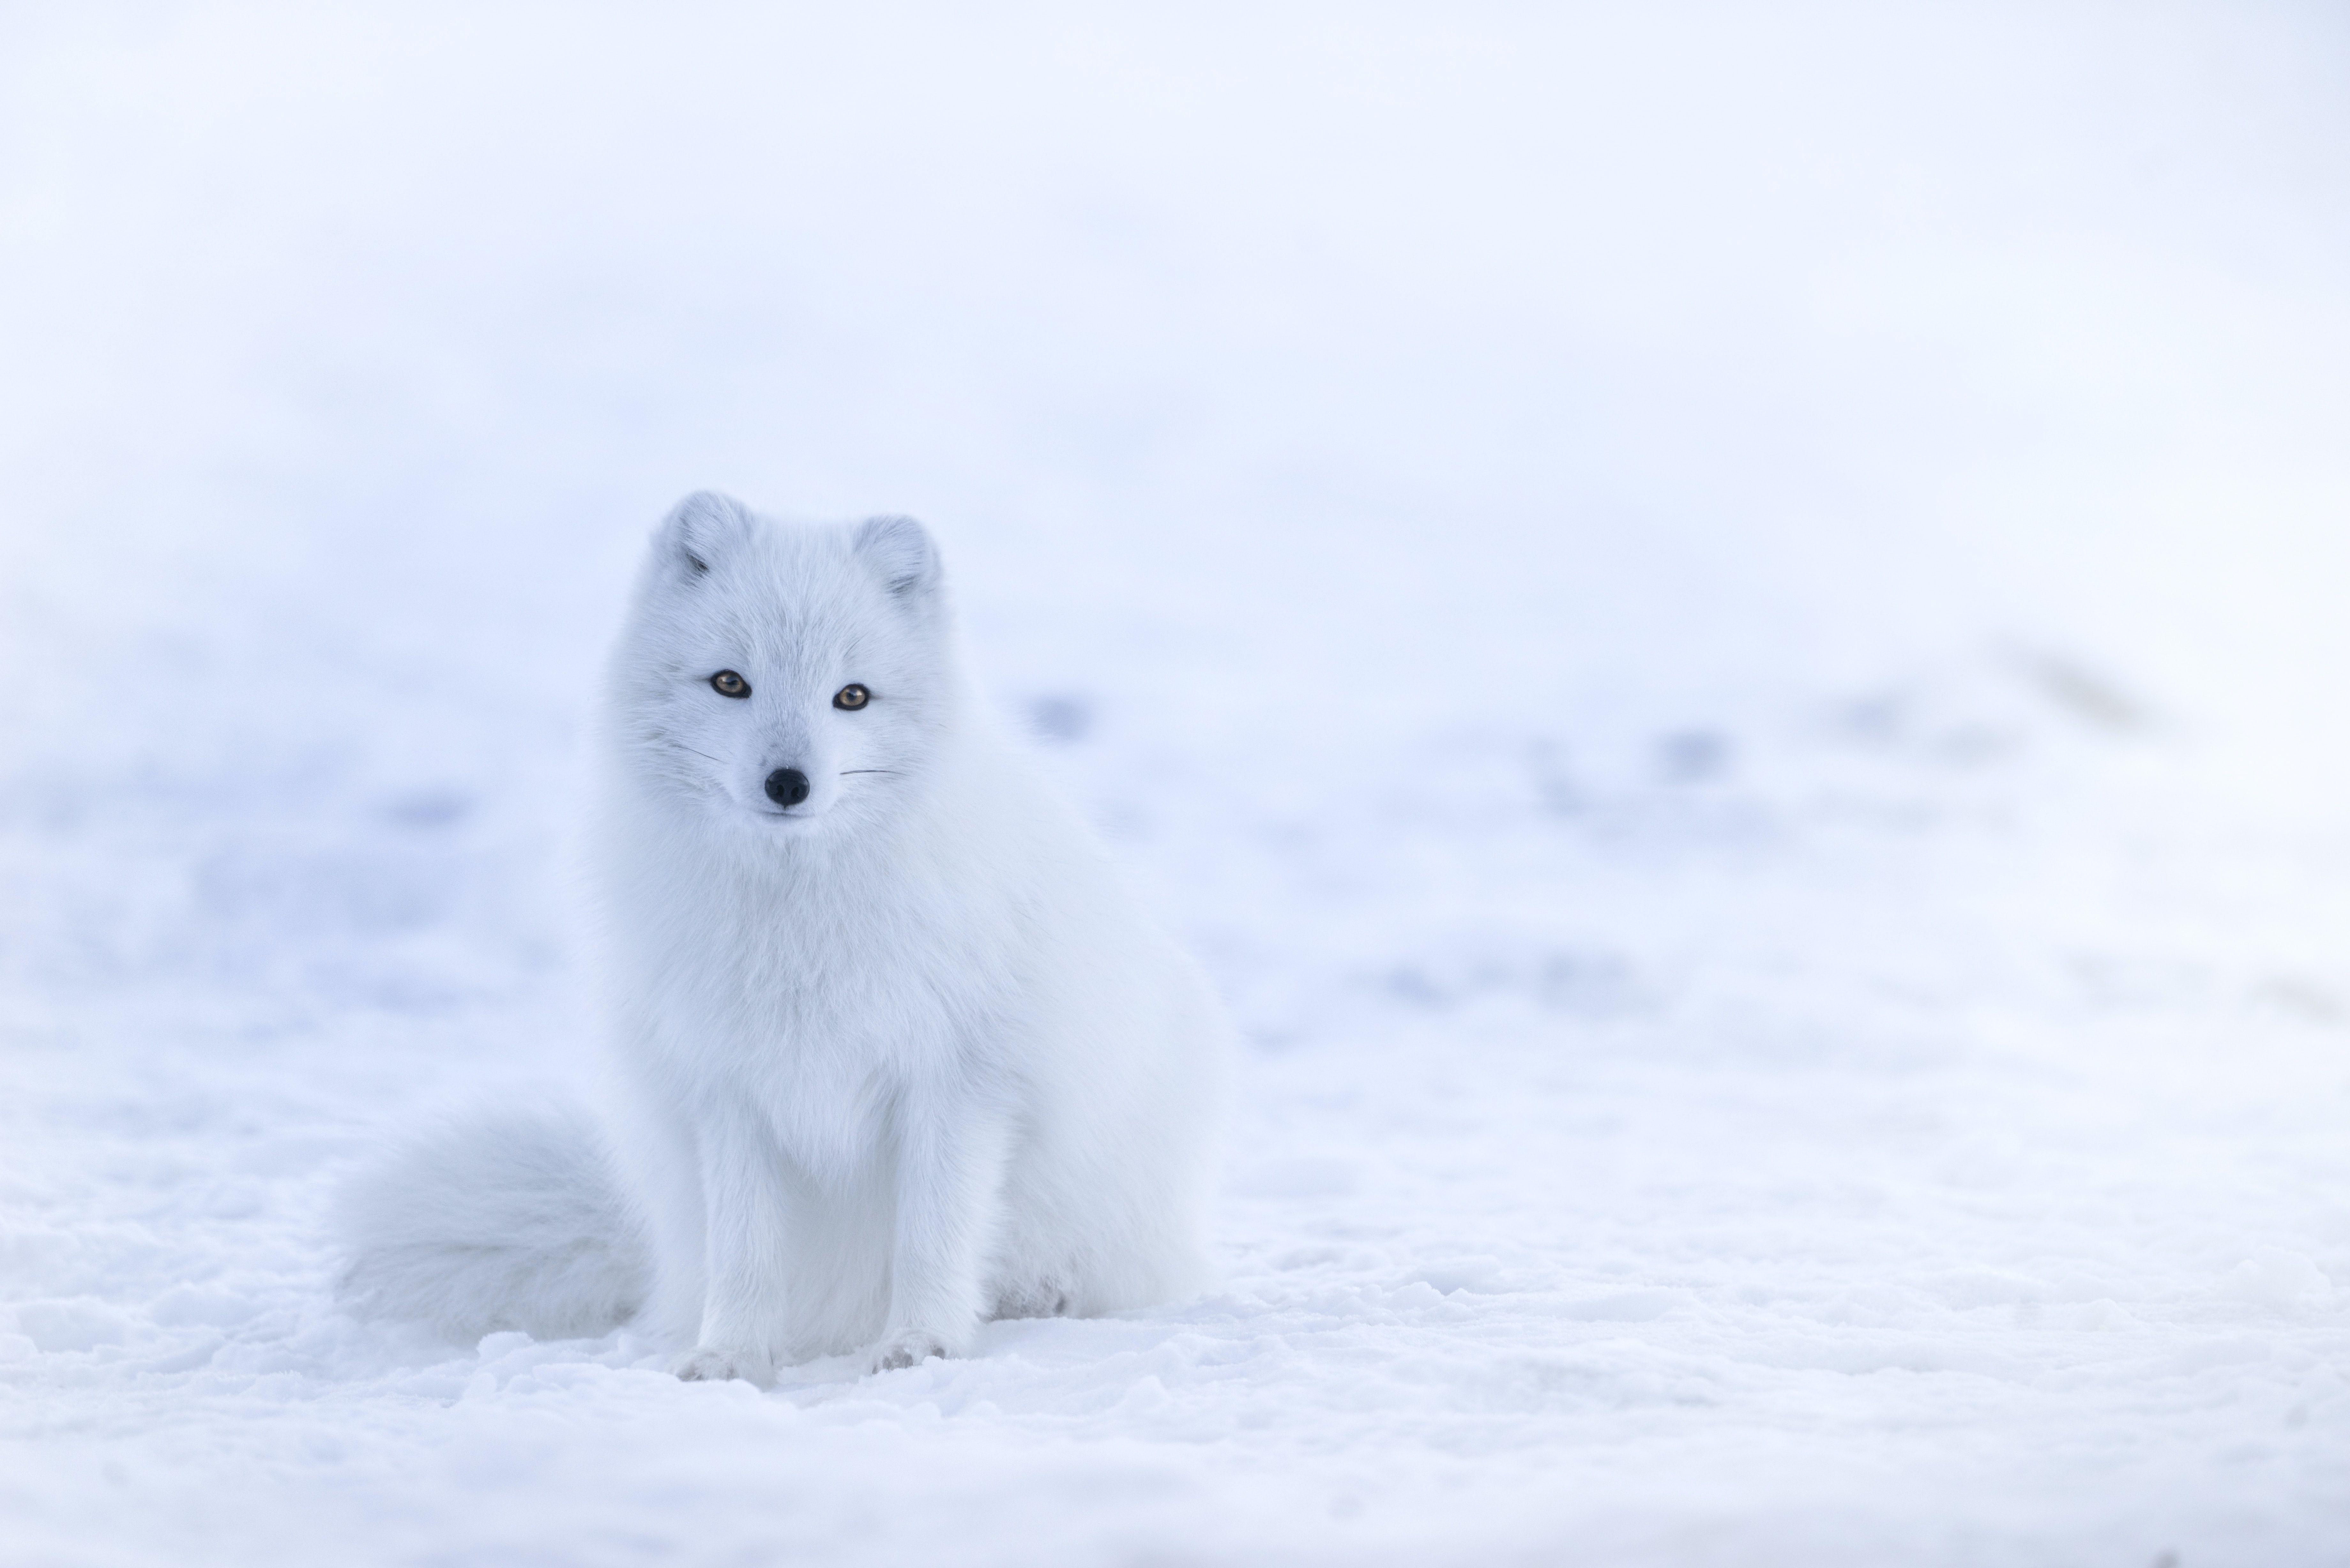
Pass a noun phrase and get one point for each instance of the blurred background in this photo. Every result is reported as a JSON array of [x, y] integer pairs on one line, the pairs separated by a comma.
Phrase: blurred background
[[1601, 361], [1748, 597]]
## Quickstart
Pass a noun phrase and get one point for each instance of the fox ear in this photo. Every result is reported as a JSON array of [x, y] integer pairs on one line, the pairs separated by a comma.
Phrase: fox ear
[[699, 530], [899, 550]]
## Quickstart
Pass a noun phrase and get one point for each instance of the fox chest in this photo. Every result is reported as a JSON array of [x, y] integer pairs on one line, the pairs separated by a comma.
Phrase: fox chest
[[830, 1043]]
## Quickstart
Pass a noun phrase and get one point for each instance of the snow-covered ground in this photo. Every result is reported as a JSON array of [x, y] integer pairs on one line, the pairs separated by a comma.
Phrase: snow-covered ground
[[1721, 623]]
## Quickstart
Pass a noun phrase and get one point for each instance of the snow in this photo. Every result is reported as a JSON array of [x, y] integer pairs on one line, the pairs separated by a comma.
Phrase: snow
[[1722, 624]]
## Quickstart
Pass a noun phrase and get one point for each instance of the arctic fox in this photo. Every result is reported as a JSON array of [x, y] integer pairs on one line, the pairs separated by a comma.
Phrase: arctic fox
[[895, 1052]]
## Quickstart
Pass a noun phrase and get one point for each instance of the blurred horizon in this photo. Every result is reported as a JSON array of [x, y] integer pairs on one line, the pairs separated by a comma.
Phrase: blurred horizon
[[1566, 357]]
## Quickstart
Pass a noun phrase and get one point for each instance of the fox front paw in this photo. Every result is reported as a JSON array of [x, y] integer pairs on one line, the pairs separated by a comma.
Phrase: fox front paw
[[909, 1349], [703, 1363]]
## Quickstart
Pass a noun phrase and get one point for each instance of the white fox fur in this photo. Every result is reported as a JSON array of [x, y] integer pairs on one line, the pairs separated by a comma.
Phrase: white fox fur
[[891, 1060], [510, 1222]]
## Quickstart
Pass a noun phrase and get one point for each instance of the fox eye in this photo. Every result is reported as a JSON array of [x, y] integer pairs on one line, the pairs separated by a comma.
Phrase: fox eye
[[851, 697], [726, 684]]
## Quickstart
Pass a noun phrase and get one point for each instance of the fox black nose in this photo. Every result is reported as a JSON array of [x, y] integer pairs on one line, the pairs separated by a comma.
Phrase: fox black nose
[[787, 786]]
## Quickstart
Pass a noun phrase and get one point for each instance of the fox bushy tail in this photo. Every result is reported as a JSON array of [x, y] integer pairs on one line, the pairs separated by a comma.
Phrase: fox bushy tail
[[510, 1219]]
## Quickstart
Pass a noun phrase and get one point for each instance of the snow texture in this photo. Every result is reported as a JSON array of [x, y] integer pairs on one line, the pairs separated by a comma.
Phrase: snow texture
[[1722, 624]]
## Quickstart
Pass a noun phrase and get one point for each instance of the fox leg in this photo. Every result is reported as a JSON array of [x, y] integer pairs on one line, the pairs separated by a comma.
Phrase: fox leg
[[746, 1208], [952, 1151]]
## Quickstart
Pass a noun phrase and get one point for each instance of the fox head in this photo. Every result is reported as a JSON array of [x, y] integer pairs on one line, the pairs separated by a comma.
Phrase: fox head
[[791, 677]]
